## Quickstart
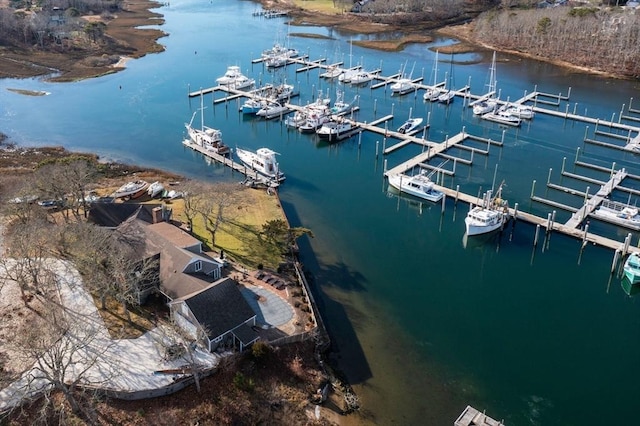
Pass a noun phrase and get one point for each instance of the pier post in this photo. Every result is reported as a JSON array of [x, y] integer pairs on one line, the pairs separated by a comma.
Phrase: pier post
[[586, 231], [627, 241], [392, 105], [455, 162], [444, 199], [535, 236], [533, 187], [613, 170], [457, 194], [597, 122], [502, 139], [375, 106], [428, 121], [384, 169], [613, 117], [577, 154], [549, 223], [566, 111], [359, 139], [620, 115], [472, 151], [629, 136], [564, 160], [446, 142], [377, 146], [515, 211], [574, 108], [384, 144], [616, 255], [549, 176], [463, 132], [569, 93], [553, 217], [488, 145]]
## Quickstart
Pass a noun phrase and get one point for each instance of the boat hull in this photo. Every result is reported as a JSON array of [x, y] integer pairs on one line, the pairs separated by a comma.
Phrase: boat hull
[[408, 185]]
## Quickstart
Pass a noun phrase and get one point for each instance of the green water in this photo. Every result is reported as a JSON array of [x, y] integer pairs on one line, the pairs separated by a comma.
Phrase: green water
[[421, 324]]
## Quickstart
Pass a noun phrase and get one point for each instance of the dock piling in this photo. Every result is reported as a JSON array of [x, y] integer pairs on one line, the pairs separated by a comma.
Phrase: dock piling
[[515, 211], [564, 160], [616, 255], [577, 153], [548, 222], [457, 194], [384, 169], [533, 187], [627, 241], [535, 236], [444, 199], [549, 176], [586, 231], [377, 148]]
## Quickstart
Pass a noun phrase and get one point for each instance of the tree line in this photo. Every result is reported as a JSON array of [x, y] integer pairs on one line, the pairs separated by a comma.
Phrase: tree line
[[605, 39]]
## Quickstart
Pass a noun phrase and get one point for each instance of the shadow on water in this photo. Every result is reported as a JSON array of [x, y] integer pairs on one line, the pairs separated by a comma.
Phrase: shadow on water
[[345, 346]]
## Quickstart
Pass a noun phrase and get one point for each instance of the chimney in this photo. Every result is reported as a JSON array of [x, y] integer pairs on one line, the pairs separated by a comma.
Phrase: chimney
[[156, 214]]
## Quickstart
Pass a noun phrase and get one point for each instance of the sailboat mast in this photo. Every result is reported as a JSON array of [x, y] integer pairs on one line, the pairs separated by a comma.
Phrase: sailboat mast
[[201, 112]]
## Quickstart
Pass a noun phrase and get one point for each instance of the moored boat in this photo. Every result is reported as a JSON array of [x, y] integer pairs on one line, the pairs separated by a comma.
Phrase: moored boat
[[234, 79], [133, 189], [402, 87], [335, 130], [410, 125], [419, 185], [519, 110], [262, 161], [618, 213], [503, 117], [272, 110], [632, 269], [206, 137], [489, 216]]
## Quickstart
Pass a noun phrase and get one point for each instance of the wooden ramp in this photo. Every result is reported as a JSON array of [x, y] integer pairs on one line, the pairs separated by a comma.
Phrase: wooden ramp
[[591, 204]]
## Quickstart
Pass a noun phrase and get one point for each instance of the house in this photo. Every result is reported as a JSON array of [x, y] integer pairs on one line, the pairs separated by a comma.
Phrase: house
[[210, 309], [217, 316]]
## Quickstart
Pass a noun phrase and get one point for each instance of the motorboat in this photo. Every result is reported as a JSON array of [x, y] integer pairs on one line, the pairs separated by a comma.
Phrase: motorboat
[[403, 86], [618, 213], [272, 110], [332, 71], [519, 110], [410, 125], [632, 268], [348, 74], [252, 106], [206, 137], [314, 121], [503, 117], [269, 93], [155, 189], [262, 161], [279, 50], [360, 78], [133, 189], [277, 61], [335, 129], [485, 106], [489, 216], [234, 79], [419, 185]]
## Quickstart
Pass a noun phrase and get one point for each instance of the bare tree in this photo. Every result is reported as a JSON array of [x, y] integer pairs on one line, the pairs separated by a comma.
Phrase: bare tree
[[214, 208], [192, 197]]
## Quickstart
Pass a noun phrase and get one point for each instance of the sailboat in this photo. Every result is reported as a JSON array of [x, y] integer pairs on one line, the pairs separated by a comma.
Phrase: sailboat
[[432, 93], [404, 84], [448, 95], [206, 137], [490, 103]]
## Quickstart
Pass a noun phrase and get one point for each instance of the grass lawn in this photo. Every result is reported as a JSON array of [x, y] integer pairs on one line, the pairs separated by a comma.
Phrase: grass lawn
[[325, 6]]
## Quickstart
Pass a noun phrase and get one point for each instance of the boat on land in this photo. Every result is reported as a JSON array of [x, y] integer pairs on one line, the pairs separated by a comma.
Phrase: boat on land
[[335, 129], [503, 117], [155, 189], [133, 189], [489, 216], [618, 213], [263, 161], [234, 79], [632, 269], [410, 125], [490, 103], [432, 93], [206, 137], [419, 185]]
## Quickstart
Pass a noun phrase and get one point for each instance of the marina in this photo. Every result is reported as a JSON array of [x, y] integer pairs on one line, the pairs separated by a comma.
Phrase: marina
[[458, 334]]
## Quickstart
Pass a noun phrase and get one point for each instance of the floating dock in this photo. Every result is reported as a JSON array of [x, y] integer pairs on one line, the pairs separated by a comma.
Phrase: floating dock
[[472, 417]]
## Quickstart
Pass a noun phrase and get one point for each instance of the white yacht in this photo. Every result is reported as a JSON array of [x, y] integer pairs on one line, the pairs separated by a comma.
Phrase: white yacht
[[419, 185], [335, 130], [503, 117], [619, 213], [272, 110], [262, 161], [361, 78], [519, 110], [403, 86], [234, 79], [206, 137], [489, 216], [410, 125]]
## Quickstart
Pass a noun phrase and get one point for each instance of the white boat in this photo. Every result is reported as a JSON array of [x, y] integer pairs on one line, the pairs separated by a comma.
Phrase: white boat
[[489, 103], [315, 120], [277, 61], [234, 79], [632, 268], [503, 117], [132, 189], [262, 161], [419, 185], [252, 106], [206, 137], [410, 125], [361, 77], [279, 50], [342, 107], [155, 189], [332, 71], [403, 85], [266, 94], [489, 216], [619, 213], [447, 95], [335, 130], [518, 110], [320, 107], [272, 110], [432, 93]]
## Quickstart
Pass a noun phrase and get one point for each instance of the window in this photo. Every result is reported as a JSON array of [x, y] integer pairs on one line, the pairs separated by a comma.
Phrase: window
[[197, 266]]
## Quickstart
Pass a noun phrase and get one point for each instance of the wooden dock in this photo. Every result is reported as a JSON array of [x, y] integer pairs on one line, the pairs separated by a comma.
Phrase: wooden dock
[[472, 417], [238, 167]]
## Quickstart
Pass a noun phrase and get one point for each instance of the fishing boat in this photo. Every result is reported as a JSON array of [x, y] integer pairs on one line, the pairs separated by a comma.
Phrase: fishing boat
[[315, 120], [206, 137], [155, 189], [277, 61], [279, 50], [335, 129], [410, 125], [234, 79], [419, 185], [618, 213], [489, 216], [340, 106], [266, 94], [132, 189], [272, 110], [433, 92], [503, 117], [632, 269], [490, 102], [262, 161]]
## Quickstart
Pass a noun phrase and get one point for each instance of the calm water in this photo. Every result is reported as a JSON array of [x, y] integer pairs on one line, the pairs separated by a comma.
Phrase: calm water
[[421, 324]]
